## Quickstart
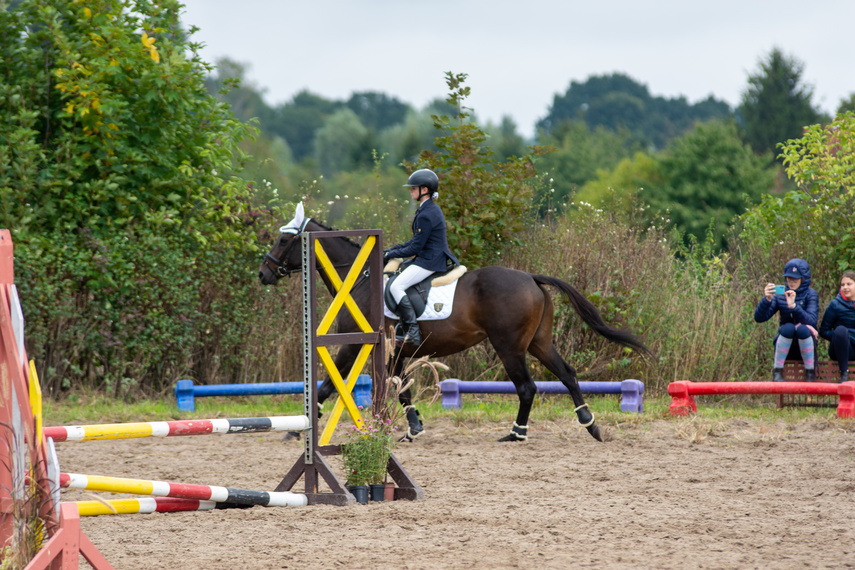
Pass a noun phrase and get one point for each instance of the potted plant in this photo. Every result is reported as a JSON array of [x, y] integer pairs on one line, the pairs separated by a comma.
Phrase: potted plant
[[365, 450], [365, 454]]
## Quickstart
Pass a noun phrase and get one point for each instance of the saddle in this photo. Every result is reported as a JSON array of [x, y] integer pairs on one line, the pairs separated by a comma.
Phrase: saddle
[[419, 292]]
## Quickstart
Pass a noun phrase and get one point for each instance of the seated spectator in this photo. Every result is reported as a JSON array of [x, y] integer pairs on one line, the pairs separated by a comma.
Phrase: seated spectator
[[838, 324], [799, 308]]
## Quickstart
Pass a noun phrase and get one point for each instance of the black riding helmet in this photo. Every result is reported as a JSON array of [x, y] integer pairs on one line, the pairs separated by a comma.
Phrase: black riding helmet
[[423, 177]]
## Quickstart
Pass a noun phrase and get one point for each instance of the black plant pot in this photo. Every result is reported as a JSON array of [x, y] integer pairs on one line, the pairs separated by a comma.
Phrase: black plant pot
[[360, 492], [377, 491]]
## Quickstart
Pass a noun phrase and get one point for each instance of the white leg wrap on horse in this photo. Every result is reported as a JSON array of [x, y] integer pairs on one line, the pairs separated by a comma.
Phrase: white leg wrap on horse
[[519, 435], [589, 409]]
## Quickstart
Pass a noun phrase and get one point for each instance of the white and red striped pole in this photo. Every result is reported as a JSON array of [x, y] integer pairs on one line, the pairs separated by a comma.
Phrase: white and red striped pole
[[182, 491], [141, 505], [175, 428]]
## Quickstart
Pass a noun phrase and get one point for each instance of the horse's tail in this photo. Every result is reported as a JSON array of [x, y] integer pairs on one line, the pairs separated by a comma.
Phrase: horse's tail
[[588, 312]]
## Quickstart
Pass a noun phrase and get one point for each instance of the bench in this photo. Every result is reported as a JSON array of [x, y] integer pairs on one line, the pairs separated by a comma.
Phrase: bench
[[826, 371], [631, 391]]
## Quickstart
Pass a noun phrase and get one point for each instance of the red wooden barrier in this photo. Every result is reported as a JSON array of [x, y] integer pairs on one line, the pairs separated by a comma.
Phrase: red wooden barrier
[[67, 542], [683, 401]]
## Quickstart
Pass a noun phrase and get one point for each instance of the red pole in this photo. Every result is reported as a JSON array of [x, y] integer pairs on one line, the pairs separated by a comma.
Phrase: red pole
[[7, 277]]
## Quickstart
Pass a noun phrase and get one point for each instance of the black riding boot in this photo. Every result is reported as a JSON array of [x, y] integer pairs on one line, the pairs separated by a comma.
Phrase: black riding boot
[[409, 326]]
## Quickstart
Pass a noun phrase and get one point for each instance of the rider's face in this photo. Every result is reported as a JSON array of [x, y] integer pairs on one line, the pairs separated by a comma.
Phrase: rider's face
[[414, 192]]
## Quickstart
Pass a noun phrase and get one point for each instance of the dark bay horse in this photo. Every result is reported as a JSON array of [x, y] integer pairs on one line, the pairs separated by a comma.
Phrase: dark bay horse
[[510, 308]]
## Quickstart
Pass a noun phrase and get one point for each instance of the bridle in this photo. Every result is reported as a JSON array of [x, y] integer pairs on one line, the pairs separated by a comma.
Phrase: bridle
[[281, 269]]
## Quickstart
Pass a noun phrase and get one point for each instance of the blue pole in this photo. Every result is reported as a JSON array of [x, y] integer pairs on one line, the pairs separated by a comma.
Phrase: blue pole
[[186, 391]]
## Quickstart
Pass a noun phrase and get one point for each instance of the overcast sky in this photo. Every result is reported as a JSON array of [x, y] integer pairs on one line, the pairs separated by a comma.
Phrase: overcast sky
[[519, 54]]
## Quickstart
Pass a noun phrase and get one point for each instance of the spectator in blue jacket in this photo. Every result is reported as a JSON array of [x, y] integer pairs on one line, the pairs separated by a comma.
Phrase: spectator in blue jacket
[[838, 325], [799, 310], [429, 245]]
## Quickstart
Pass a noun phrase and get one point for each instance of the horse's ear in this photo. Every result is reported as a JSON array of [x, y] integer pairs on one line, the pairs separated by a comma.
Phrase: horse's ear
[[295, 226]]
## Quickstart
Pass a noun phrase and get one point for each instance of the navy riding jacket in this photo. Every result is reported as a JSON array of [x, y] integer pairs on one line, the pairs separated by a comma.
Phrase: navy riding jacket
[[840, 311], [429, 243], [807, 301]]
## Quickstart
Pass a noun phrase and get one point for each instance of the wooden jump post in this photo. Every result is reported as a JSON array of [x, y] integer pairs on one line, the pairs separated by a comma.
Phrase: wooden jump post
[[316, 338]]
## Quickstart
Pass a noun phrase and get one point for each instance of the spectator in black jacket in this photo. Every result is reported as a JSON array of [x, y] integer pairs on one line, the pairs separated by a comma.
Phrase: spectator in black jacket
[[838, 325]]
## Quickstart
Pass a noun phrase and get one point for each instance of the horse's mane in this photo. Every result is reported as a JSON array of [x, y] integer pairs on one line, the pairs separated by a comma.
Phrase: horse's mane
[[329, 229]]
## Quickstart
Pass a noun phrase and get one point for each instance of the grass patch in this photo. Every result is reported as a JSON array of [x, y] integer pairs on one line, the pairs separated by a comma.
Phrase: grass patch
[[477, 409]]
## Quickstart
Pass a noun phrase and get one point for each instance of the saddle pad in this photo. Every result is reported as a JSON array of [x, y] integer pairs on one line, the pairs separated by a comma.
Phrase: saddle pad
[[440, 300]]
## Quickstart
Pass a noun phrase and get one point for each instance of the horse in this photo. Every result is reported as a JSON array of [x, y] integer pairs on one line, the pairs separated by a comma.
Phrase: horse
[[510, 308]]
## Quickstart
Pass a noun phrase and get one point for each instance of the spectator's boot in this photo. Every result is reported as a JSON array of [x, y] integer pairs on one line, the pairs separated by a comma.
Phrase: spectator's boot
[[844, 376], [777, 375], [810, 375]]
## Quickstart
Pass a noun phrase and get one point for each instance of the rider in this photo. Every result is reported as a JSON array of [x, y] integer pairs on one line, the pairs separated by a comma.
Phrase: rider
[[429, 245]]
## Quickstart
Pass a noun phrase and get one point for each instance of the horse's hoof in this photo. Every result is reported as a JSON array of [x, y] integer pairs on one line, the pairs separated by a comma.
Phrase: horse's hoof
[[415, 428], [512, 437], [411, 435], [291, 435], [595, 432]]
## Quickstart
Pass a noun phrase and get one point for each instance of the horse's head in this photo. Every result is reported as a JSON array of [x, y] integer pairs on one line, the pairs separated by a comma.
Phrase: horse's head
[[285, 258]]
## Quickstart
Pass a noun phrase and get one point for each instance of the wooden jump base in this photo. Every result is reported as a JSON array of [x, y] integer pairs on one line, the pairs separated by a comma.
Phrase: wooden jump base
[[175, 428], [631, 391], [683, 401], [181, 491], [186, 392]]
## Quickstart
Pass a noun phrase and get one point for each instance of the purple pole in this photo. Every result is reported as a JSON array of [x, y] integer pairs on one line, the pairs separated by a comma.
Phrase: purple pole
[[630, 390]]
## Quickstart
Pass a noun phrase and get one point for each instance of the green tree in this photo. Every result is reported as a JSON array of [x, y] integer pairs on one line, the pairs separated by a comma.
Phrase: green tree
[[847, 104], [579, 153], [377, 111], [108, 123], [244, 98], [298, 120], [777, 104], [408, 139], [116, 179], [709, 177], [616, 101], [342, 143], [486, 203], [504, 139], [822, 164], [616, 190]]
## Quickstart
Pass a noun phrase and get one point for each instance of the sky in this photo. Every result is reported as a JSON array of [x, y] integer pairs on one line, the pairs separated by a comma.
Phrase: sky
[[519, 54]]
